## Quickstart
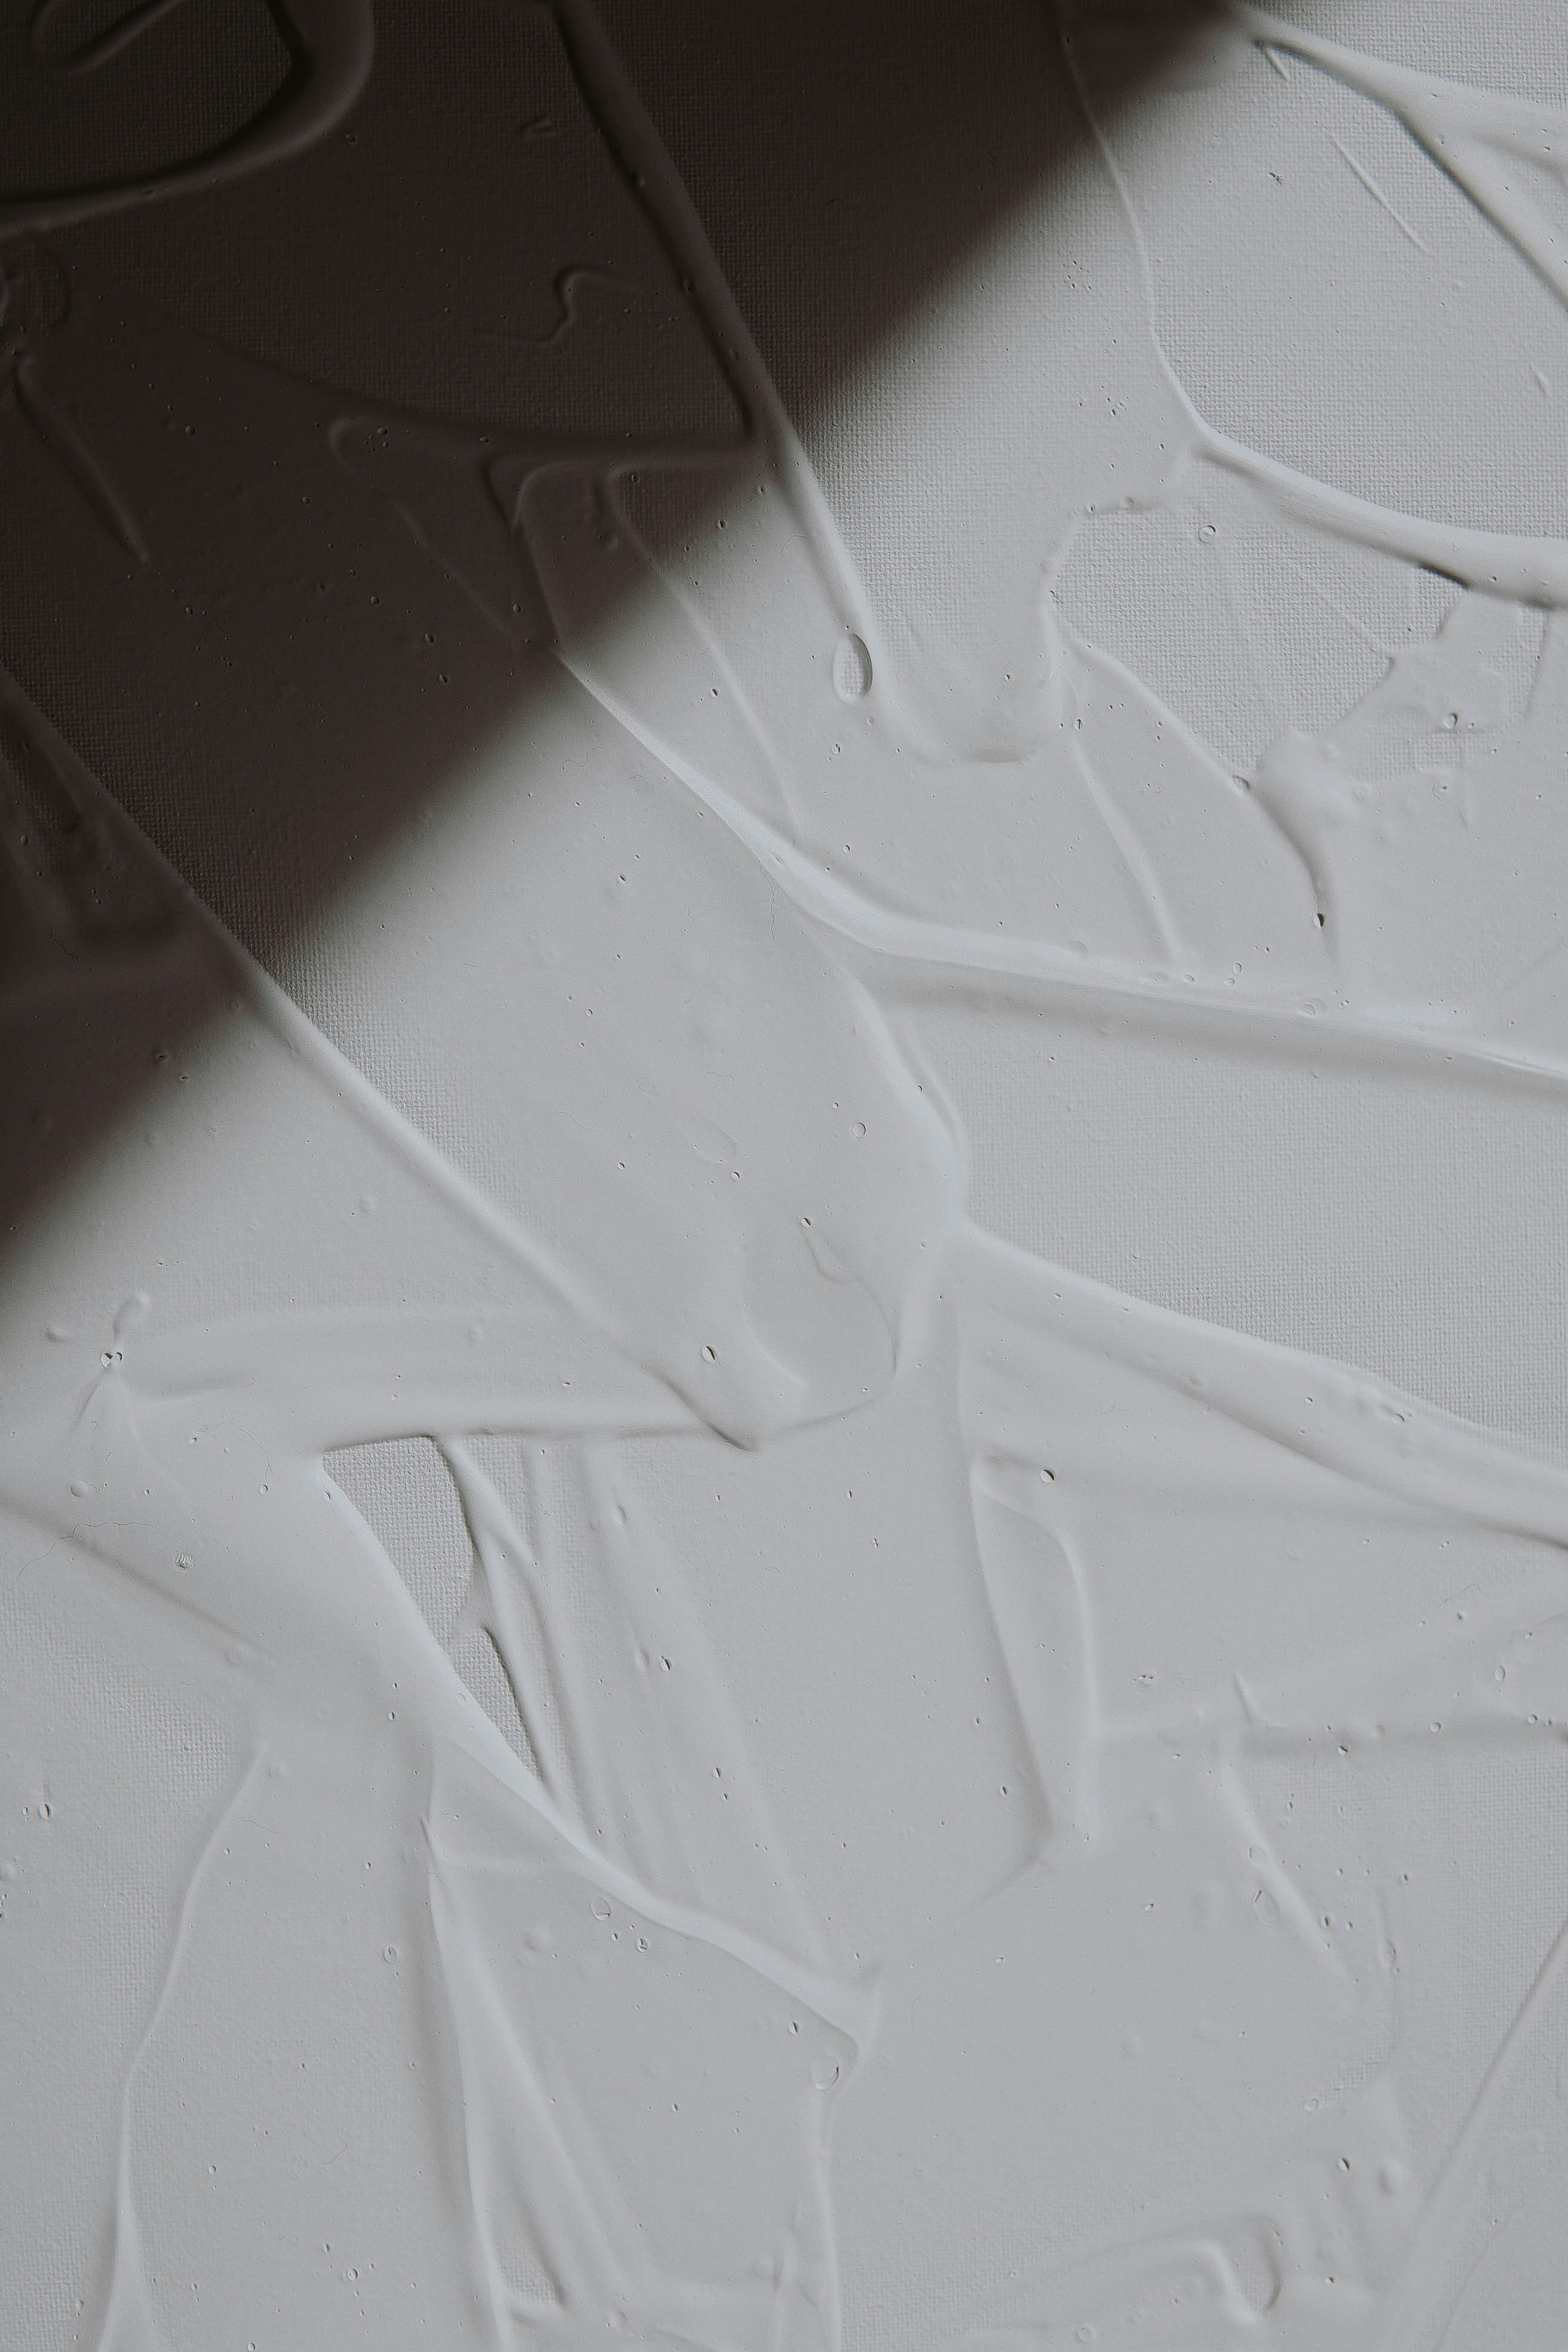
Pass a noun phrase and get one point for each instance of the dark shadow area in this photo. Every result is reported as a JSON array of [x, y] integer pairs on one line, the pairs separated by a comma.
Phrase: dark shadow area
[[292, 315], [846, 161]]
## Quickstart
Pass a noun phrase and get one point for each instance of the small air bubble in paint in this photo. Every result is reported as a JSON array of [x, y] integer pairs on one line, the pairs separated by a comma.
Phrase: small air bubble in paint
[[45, 1810], [80, 1488], [185, 1560], [851, 670], [825, 2070], [390, 1953], [600, 1908]]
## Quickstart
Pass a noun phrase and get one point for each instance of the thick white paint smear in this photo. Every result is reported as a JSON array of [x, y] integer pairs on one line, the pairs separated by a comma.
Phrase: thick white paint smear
[[781, 1513]]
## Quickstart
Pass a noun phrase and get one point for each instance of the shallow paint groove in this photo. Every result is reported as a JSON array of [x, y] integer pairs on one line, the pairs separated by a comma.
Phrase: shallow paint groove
[[784, 1488]]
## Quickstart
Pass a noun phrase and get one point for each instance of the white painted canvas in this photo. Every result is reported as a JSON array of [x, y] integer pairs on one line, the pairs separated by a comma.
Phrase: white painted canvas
[[783, 1453]]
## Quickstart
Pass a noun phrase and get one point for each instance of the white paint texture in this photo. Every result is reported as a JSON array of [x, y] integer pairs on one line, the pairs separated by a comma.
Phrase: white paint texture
[[781, 1559]]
